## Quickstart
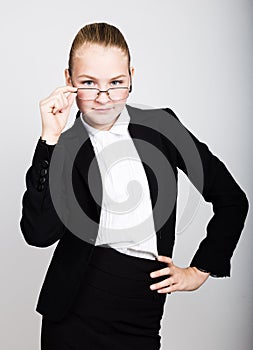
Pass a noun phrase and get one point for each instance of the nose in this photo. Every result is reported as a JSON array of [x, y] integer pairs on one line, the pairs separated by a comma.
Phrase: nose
[[103, 97]]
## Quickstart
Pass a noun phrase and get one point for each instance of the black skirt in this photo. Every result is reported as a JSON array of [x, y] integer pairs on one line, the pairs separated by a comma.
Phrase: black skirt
[[115, 309]]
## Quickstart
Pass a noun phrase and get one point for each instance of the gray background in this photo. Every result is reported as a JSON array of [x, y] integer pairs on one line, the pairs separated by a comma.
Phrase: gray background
[[198, 55]]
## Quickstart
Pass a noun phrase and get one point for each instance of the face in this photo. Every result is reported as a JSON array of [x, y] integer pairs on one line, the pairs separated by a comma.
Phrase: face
[[95, 66]]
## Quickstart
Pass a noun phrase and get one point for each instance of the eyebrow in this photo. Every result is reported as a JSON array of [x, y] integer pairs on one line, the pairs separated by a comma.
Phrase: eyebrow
[[89, 76]]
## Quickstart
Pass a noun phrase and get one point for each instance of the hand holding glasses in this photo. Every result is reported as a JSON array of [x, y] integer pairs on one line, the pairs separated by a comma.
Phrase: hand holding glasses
[[58, 105]]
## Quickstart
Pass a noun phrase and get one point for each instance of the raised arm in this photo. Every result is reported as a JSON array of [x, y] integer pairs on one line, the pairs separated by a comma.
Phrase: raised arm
[[40, 223]]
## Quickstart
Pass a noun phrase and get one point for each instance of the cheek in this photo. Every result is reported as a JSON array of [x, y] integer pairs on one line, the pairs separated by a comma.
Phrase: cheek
[[83, 106]]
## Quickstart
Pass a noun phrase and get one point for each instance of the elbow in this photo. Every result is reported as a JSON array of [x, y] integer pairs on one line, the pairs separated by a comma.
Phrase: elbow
[[241, 205], [36, 238], [31, 237], [244, 204]]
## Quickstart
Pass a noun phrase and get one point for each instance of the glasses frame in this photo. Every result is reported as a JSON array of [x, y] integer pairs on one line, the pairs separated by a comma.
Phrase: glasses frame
[[99, 91], [107, 91]]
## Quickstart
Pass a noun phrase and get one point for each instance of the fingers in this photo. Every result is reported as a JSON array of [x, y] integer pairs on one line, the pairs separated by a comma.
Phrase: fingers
[[169, 289], [54, 104], [169, 284], [165, 259], [162, 284], [180, 279], [166, 270], [166, 286], [58, 102], [71, 98], [162, 272], [63, 90]]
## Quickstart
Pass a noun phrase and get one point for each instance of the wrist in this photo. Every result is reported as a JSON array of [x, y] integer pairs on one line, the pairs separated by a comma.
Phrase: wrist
[[200, 271], [50, 139]]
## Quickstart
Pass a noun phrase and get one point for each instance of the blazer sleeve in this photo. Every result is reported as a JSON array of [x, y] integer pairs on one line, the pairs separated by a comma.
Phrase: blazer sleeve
[[39, 223], [230, 207]]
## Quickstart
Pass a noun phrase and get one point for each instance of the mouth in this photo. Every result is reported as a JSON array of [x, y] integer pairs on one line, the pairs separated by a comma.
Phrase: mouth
[[102, 109]]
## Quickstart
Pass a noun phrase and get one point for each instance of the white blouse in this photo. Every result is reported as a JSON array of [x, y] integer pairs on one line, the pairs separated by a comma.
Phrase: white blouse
[[126, 199]]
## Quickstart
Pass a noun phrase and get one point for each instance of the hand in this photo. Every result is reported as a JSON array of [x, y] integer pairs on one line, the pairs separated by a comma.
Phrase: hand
[[55, 110], [179, 279]]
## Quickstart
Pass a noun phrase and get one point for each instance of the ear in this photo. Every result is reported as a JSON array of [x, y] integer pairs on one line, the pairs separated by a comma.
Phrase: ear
[[67, 77], [132, 71]]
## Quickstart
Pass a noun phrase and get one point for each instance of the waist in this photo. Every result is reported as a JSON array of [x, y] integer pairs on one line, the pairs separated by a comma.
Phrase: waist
[[111, 270]]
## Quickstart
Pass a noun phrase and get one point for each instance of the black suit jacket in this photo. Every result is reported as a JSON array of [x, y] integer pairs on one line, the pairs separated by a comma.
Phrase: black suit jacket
[[42, 226]]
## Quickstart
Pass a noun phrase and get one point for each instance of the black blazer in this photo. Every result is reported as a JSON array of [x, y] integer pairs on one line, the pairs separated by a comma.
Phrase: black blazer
[[41, 225]]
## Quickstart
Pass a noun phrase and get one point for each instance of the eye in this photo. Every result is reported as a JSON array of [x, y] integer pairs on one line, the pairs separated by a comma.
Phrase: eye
[[117, 81], [86, 82]]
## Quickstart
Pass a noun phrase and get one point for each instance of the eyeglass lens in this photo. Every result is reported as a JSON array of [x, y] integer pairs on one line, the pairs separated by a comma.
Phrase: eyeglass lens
[[114, 93]]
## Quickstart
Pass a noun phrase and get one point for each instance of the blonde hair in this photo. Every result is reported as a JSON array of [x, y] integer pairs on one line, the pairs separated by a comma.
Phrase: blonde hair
[[101, 33]]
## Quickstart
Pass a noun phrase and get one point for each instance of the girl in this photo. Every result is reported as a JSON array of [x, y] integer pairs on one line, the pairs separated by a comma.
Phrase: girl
[[97, 298]]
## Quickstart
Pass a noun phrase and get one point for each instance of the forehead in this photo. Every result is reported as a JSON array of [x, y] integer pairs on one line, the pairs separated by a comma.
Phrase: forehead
[[93, 56], [95, 51]]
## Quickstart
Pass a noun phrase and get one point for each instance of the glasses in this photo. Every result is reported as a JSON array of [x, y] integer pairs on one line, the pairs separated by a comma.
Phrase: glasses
[[115, 94]]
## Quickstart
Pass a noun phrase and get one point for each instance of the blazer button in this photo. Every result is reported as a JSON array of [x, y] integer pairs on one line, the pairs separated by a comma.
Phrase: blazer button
[[45, 164], [42, 179], [40, 187], [43, 172]]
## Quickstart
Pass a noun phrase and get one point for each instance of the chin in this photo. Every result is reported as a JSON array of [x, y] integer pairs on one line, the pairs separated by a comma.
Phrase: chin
[[100, 116]]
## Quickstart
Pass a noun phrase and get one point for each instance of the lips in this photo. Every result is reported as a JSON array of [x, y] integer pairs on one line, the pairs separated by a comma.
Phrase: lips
[[102, 109]]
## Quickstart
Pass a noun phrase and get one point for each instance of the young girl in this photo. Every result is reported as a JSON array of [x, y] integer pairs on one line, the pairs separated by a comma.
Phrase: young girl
[[93, 297]]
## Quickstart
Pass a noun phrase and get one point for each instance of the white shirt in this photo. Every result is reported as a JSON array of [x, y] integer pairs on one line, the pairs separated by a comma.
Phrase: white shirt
[[123, 207]]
